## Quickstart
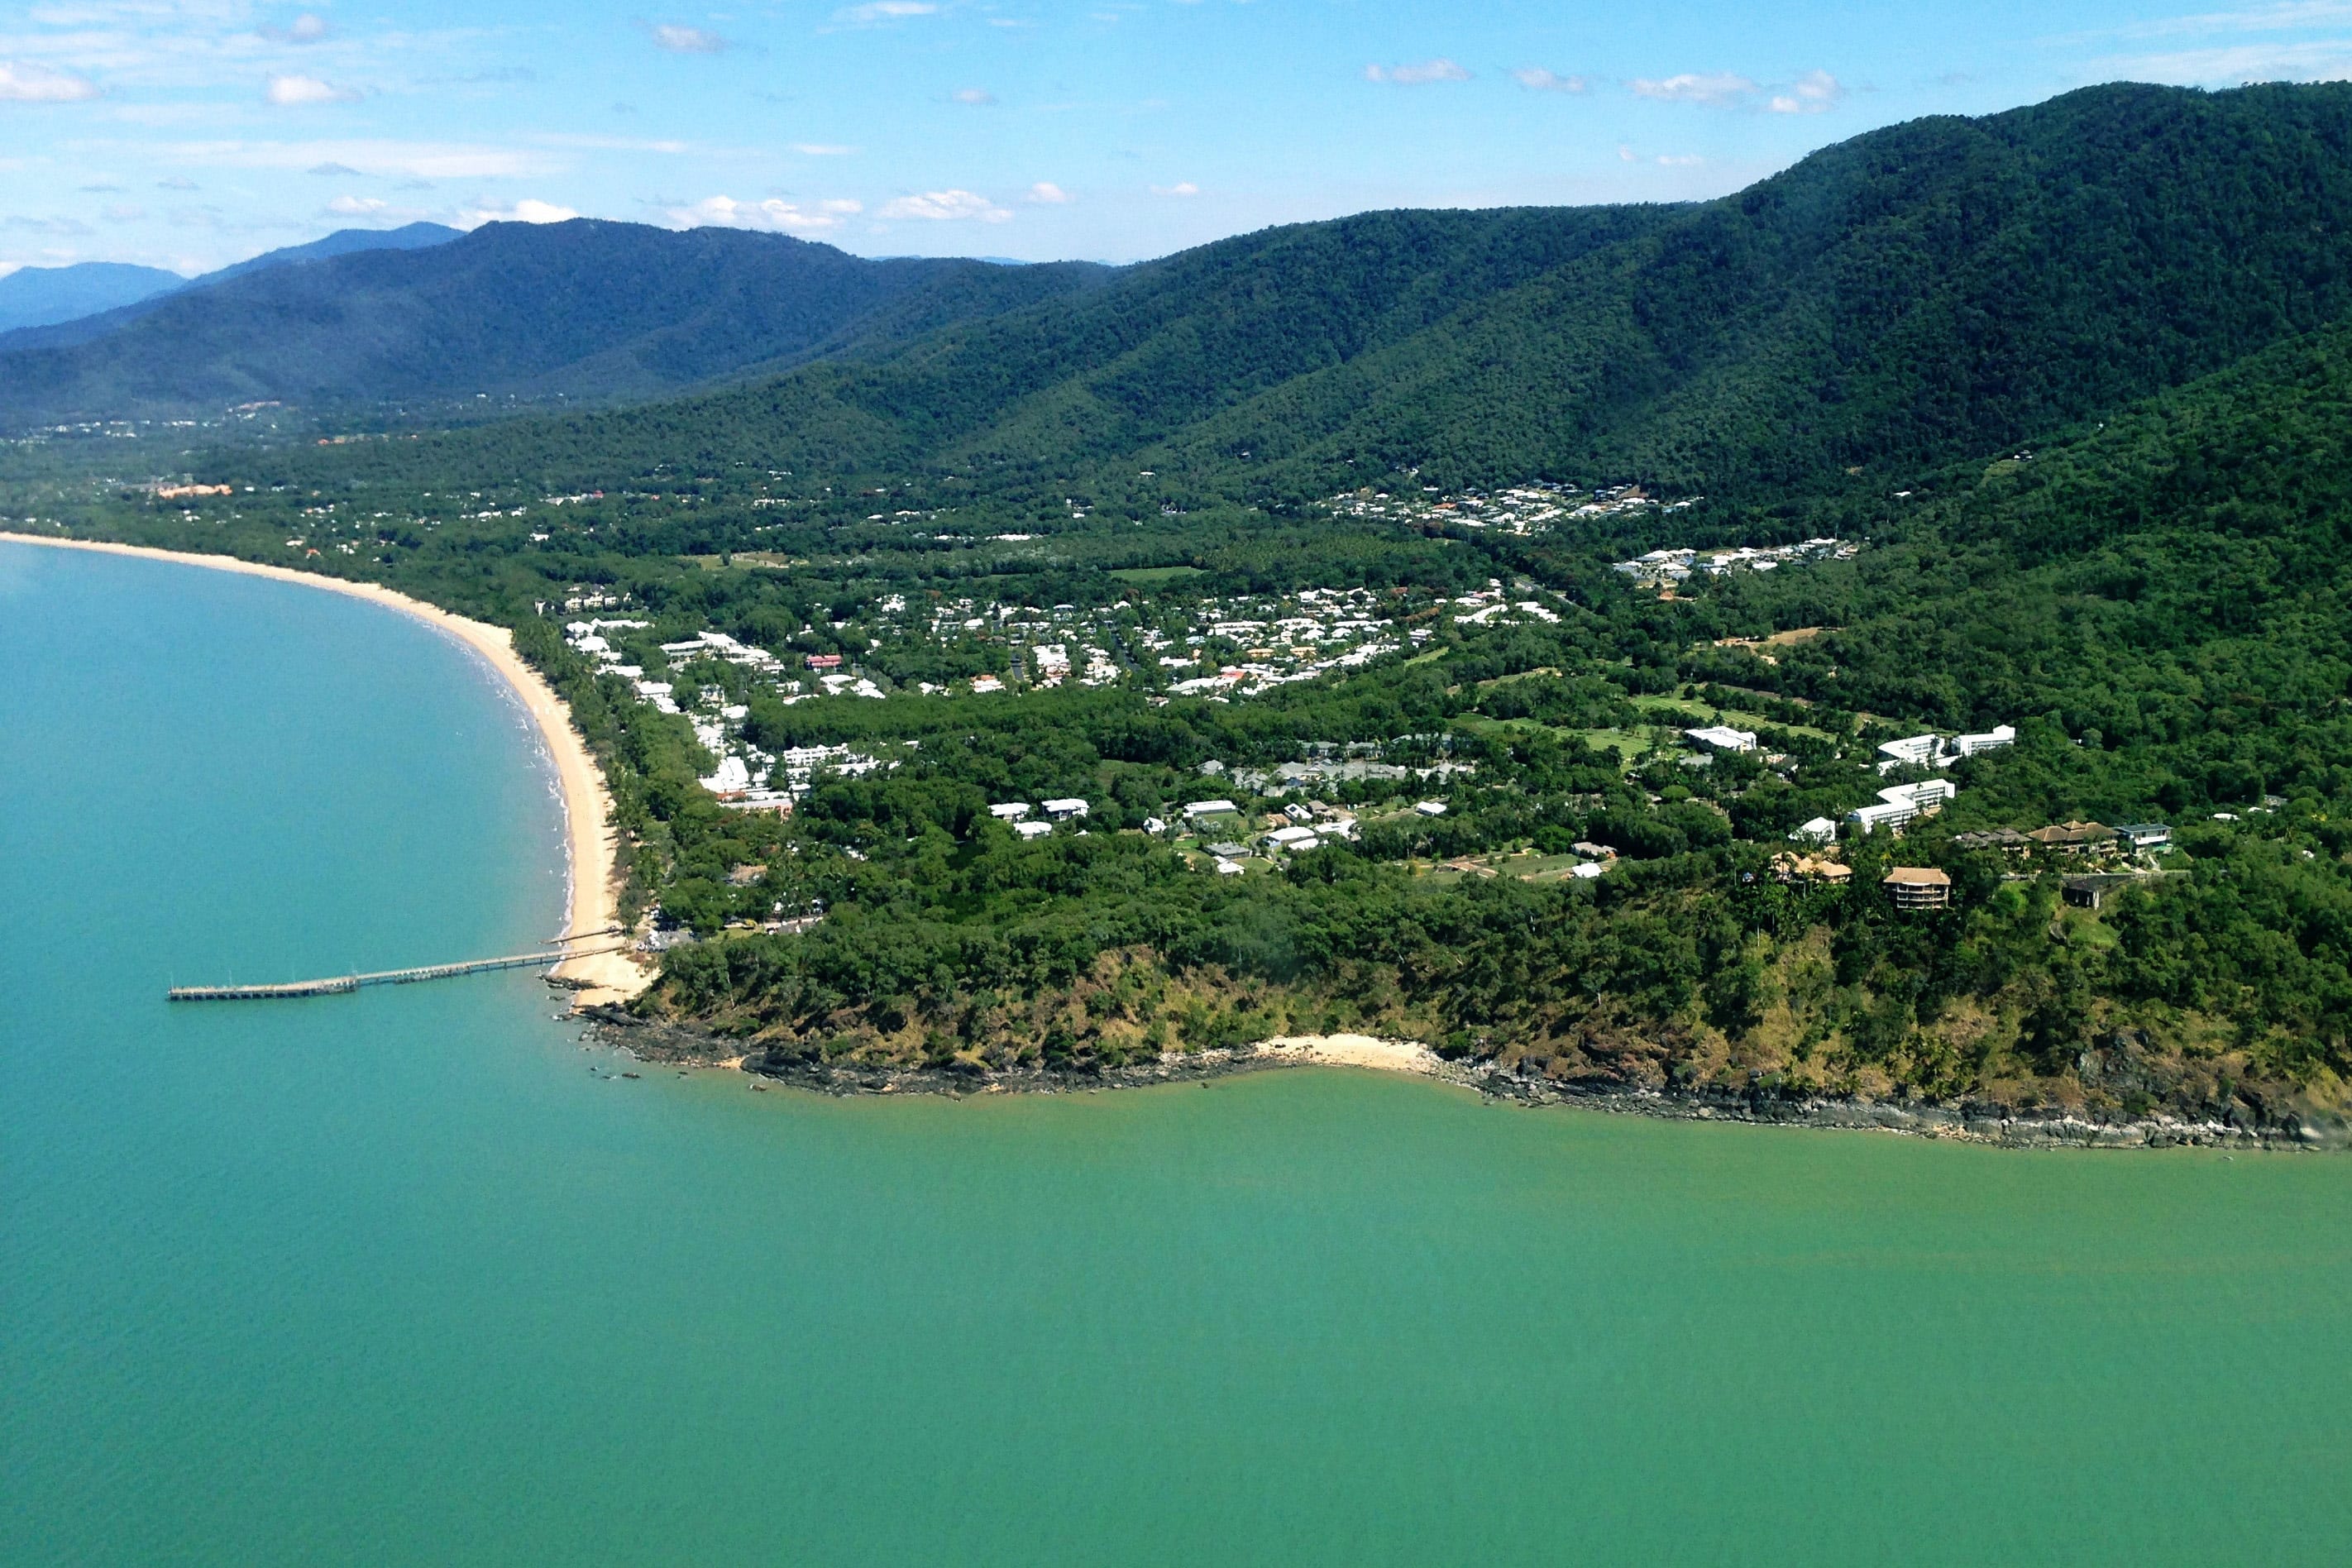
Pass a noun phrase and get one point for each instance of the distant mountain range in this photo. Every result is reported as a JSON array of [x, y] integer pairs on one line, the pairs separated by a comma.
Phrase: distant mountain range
[[40, 296], [1916, 295], [581, 310], [1919, 295], [58, 306]]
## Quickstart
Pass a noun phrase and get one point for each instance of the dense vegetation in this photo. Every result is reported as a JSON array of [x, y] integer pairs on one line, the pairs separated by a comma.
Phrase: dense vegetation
[[2087, 359], [1928, 293]]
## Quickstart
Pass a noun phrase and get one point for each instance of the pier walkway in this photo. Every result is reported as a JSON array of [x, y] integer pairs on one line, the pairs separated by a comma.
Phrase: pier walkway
[[336, 984]]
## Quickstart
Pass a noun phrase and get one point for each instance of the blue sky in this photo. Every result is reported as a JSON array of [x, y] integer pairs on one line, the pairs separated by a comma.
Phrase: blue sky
[[188, 133]]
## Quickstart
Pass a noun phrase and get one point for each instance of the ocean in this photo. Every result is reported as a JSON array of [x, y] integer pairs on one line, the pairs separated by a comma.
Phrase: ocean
[[410, 1277]]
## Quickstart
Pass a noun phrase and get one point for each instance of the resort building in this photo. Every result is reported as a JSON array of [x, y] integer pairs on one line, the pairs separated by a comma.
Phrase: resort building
[[1993, 739], [1912, 752], [1900, 804], [1804, 870], [1918, 888], [1723, 738], [1819, 830], [2075, 837]]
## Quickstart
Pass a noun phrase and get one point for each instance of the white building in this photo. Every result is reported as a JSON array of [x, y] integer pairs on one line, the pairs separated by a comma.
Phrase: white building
[[1430, 807], [1011, 811], [1032, 830], [1228, 868], [1901, 804], [733, 777], [1200, 808], [1293, 839], [1819, 830], [2000, 736], [1912, 751], [1723, 738], [1892, 815], [1066, 809], [1927, 795]]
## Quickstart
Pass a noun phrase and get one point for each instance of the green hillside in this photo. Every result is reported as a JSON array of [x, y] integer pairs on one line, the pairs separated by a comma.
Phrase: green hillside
[[2159, 605], [1916, 295]]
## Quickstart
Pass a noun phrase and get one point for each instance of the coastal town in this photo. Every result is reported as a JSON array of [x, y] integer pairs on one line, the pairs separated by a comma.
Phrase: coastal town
[[1517, 510]]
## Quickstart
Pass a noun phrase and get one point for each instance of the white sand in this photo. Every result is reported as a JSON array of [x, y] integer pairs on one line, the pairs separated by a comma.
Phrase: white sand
[[1353, 1051], [610, 975]]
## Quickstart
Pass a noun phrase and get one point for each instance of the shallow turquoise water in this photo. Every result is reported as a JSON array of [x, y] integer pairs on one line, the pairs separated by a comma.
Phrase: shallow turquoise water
[[392, 1279]]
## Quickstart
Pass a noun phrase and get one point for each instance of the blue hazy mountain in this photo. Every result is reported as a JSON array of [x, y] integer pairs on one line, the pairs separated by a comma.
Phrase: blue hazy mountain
[[44, 296]]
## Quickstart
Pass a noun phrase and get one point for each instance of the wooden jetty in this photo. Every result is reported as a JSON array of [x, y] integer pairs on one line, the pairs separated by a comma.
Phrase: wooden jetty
[[337, 984]]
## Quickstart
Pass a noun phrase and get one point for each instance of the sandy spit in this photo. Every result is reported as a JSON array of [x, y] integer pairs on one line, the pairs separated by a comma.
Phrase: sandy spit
[[589, 840]]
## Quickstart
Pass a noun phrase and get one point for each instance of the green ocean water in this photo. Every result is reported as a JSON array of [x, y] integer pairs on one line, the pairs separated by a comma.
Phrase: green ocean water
[[397, 1278]]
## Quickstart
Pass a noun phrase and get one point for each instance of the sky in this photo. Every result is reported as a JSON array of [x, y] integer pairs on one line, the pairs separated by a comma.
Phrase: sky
[[190, 133]]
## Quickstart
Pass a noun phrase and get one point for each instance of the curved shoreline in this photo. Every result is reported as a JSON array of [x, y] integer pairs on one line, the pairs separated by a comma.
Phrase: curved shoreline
[[685, 1045], [591, 857]]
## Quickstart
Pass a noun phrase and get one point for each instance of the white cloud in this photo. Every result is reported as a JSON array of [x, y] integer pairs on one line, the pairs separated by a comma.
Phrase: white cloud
[[2319, 59], [1182, 188], [306, 28], [680, 40], [29, 224], [39, 84], [300, 91], [177, 183], [1535, 79], [331, 170], [1665, 159], [946, 206], [528, 210], [411, 160], [979, 97], [1814, 91], [822, 150], [773, 214], [123, 212], [884, 11], [2292, 16], [610, 144], [356, 206], [1045, 193], [1417, 75], [1692, 87]]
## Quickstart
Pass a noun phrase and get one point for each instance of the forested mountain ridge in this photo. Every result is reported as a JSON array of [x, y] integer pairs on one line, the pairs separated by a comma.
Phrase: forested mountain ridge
[[585, 310], [64, 330], [1914, 296]]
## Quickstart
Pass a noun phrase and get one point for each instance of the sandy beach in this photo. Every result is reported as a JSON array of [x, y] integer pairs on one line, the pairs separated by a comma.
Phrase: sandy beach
[[590, 844], [1353, 1051]]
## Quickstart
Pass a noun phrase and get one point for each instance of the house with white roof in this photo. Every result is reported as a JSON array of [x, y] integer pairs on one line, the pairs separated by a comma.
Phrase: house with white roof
[[1723, 738]]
